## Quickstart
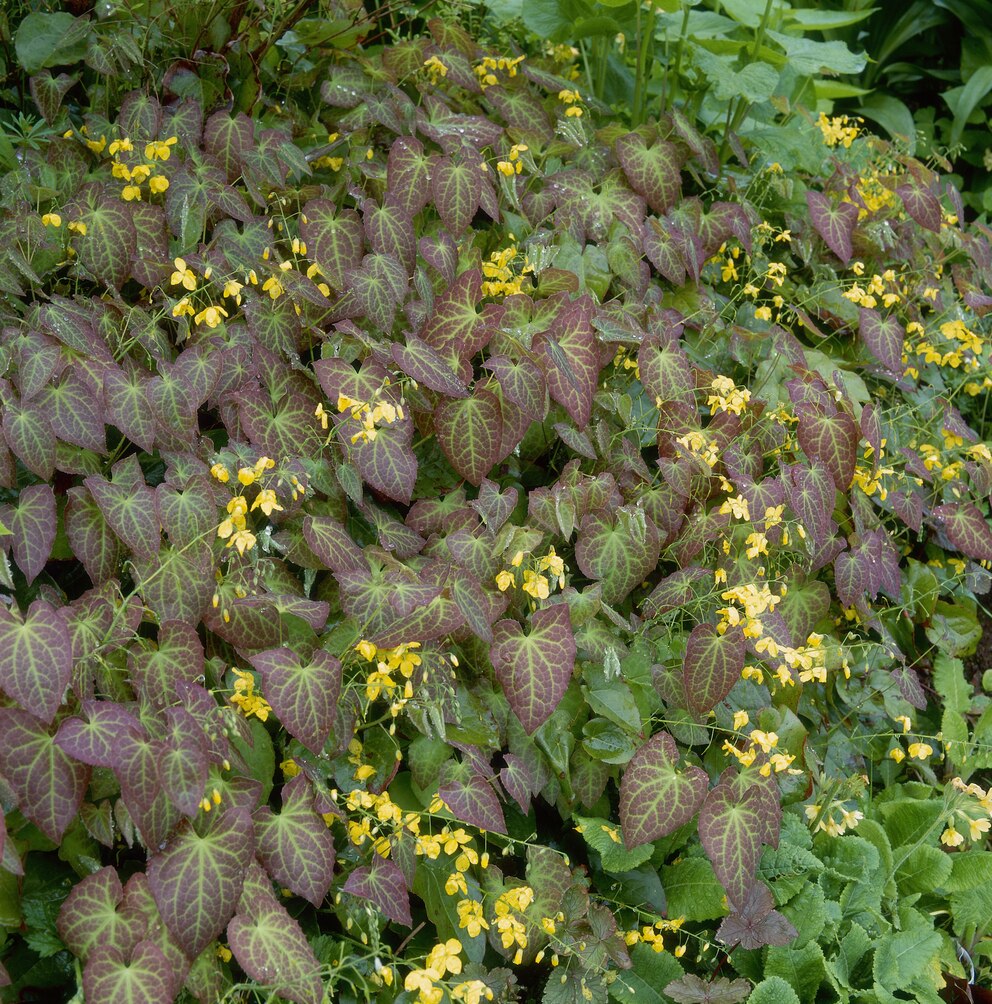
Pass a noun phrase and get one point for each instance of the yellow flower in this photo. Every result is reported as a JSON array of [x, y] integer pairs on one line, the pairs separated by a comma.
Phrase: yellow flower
[[52, 220], [97, 145], [131, 193], [120, 144], [243, 540], [444, 957], [920, 750], [470, 917], [504, 580], [160, 149], [183, 307], [951, 837], [423, 982], [233, 289], [158, 185], [211, 316], [741, 718], [266, 501], [273, 287], [224, 953], [77, 226], [221, 473], [536, 585], [183, 276]]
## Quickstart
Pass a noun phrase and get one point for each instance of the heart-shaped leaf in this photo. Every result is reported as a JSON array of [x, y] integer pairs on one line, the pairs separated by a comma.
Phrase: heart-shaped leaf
[[712, 665], [383, 885]]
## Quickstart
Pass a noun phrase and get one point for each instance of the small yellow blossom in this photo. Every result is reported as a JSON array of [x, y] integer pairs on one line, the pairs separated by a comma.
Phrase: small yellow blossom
[[211, 316], [158, 184], [160, 149], [183, 275], [52, 220]]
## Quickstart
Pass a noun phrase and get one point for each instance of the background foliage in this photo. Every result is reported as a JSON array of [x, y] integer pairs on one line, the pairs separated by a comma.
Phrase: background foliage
[[494, 507]]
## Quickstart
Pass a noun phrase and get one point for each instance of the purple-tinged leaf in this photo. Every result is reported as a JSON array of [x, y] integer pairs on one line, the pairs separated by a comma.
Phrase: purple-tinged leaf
[[99, 821], [966, 528], [493, 506], [138, 769], [229, 139], [146, 977], [479, 607], [179, 656], [196, 880], [295, 846], [75, 407], [108, 244], [48, 92], [150, 265], [832, 440], [98, 740], [37, 357], [434, 620], [332, 544], [270, 946], [620, 552], [383, 885], [335, 239], [128, 505], [89, 917], [283, 426], [183, 768], [274, 323], [189, 514], [48, 783], [571, 359], [655, 798], [35, 658], [675, 590], [516, 778], [32, 522], [419, 361], [388, 463], [724, 220], [468, 432], [654, 172], [408, 175], [303, 695], [522, 383], [456, 330], [756, 924], [871, 431], [664, 250], [834, 222], [921, 205], [690, 989], [375, 290], [666, 373], [472, 800], [456, 189], [30, 436], [534, 669], [884, 338], [441, 254], [140, 116], [389, 229], [128, 408], [712, 665], [730, 829], [812, 493]]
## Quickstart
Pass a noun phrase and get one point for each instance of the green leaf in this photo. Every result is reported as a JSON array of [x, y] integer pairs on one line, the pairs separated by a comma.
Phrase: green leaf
[[270, 946], [649, 974], [143, 976], [382, 884], [969, 870], [655, 798], [774, 990], [90, 916], [456, 189], [335, 239], [755, 82], [534, 669], [620, 554], [607, 842], [902, 956], [893, 116], [808, 57], [654, 172], [731, 829], [802, 968], [924, 869], [712, 665], [468, 431], [43, 40], [692, 890], [964, 100], [197, 879]]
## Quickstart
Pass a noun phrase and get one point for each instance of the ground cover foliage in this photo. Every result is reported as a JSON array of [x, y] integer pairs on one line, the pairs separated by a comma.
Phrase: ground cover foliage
[[465, 541]]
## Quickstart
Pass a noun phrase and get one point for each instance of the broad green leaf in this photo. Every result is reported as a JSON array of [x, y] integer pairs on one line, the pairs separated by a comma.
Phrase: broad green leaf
[[802, 968], [773, 990], [75, 409], [712, 665], [90, 916], [48, 783], [902, 956], [964, 100], [808, 57], [44, 39], [835, 222], [143, 976], [197, 879], [303, 693], [969, 870], [468, 431], [755, 82], [692, 890], [35, 658], [375, 290], [296, 847], [383, 885], [189, 514], [605, 839], [802, 607], [656, 798], [270, 945], [273, 323], [654, 172], [534, 669]]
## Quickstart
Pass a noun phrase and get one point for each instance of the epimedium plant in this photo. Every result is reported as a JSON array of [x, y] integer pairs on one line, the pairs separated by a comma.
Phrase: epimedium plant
[[456, 553]]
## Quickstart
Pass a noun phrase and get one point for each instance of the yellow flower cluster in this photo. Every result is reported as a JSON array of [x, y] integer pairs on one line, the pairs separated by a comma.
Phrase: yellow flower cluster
[[572, 101], [767, 743], [727, 396], [698, 445], [336, 163], [208, 803], [962, 348], [977, 828], [500, 280], [234, 529], [654, 935], [826, 821], [624, 359], [513, 164], [511, 929], [746, 604], [135, 175], [403, 659], [487, 69], [882, 287], [435, 70], [876, 192], [840, 130], [245, 698], [533, 581], [370, 413]]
